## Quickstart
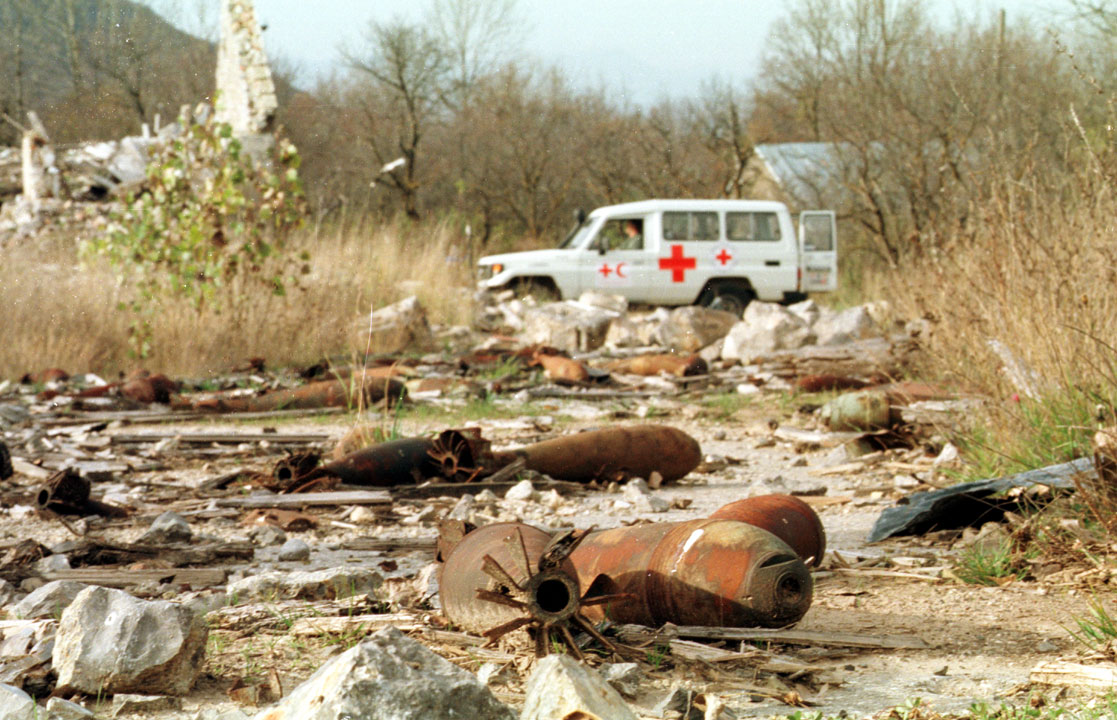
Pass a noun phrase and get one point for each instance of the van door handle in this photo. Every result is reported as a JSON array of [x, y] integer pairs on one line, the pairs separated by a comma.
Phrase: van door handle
[[772, 263]]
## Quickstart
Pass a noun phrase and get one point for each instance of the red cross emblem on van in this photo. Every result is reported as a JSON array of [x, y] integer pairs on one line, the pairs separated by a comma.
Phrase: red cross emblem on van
[[678, 264]]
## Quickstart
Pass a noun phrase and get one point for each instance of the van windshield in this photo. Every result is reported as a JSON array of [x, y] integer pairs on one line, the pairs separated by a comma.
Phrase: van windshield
[[575, 237]]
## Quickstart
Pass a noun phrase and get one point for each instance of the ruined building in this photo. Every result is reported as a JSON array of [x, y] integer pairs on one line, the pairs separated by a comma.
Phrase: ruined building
[[246, 93]]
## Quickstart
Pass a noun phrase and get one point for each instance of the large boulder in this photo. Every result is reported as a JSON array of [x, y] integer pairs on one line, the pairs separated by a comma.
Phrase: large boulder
[[560, 687], [765, 327], [389, 677], [690, 328], [108, 641], [16, 704], [569, 326]]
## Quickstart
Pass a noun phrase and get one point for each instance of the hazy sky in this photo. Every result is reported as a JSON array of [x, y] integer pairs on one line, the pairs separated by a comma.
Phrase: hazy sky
[[644, 49]]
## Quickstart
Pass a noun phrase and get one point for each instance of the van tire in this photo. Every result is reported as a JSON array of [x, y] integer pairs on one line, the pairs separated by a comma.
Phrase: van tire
[[729, 296]]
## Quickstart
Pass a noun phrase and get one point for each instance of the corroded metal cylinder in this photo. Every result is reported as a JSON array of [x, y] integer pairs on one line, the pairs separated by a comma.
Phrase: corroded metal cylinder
[[785, 516], [397, 462], [631, 451], [701, 572], [547, 596]]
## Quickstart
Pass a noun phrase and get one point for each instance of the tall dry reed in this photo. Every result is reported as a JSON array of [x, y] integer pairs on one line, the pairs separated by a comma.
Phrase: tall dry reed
[[57, 313]]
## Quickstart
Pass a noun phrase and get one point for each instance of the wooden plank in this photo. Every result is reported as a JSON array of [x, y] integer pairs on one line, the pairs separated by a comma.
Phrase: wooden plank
[[790, 637], [23, 467], [1058, 672], [123, 577], [352, 497]]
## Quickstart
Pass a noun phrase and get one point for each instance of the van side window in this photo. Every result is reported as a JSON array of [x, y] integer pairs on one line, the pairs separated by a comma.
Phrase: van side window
[[690, 226], [816, 234], [752, 227]]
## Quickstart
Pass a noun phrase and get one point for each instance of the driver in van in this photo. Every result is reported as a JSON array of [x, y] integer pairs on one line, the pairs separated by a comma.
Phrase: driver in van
[[633, 239]]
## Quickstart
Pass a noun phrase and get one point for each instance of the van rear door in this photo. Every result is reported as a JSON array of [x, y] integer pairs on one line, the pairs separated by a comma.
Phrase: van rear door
[[818, 251]]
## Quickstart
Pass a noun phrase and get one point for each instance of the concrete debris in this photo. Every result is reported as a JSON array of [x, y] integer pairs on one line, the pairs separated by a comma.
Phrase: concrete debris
[[636, 492], [16, 704], [613, 303], [48, 601], [764, 328], [398, 327], [560, 687], [170, 527], [690, 328], [332, 584], [568, 326], [624, 677], [110, 642], [523, 490], [389, 677], [59, 709]]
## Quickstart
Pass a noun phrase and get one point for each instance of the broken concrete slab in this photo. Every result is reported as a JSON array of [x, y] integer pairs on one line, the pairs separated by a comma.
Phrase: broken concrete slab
[[108, 641], [331, 584], [389, 677], [765, 328], [690, 328], [560, 687], [48, 601], [568, 326]]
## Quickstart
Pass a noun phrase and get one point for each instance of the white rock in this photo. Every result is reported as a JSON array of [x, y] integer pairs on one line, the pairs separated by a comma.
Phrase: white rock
[[59, 709], [16, 704], [846, 326], [808, 310], [389, 677], [568, 326], [947, 455], [605, 301], [362, 515], [397, 327], [765, 328], [332, 584], [522, 490], [170, 527], [108, 641], [636, 492], [294, 550], [52, 563], [49, 600], [691, 328], [560, 687]]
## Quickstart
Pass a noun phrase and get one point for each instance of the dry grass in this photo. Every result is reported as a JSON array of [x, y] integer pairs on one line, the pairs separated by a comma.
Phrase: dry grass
[[57, 314], [1039, 277]]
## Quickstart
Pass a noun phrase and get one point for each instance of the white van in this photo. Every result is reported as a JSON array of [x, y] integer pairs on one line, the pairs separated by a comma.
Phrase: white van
[[718, 253]]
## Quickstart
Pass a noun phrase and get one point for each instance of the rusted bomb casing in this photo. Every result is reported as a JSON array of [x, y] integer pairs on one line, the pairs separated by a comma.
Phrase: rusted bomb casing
[[396, 462], [701, 572], [858, 411], [678, 365], [552, 595], [785, 516], [561, 369], [632, 451]]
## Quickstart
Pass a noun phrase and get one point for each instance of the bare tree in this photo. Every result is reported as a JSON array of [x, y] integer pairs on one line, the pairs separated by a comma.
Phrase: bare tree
[[403, 69], [477, 38]]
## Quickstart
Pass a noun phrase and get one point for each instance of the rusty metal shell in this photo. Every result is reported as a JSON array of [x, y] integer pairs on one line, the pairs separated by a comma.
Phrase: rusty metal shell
[[396, 462], [618, 452], [700, 572], [552, 593], [785, 516], [678, 365], [861, 410]]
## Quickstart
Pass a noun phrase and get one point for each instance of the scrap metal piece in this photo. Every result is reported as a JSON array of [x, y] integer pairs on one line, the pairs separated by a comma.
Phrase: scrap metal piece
[[785, 516], [507, 576], [701, 572], [462, 455], [611, 454], [294, 467], [861, 410], [67, 493], [559, 368]]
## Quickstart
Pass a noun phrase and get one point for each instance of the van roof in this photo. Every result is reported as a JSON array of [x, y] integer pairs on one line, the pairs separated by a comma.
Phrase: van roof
[[710, 205]]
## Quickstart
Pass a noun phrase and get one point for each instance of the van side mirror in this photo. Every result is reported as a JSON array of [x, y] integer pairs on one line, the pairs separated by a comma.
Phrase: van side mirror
[[579, 216]]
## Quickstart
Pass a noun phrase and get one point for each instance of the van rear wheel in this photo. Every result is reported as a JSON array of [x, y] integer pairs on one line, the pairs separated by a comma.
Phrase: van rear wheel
[[730, 297]]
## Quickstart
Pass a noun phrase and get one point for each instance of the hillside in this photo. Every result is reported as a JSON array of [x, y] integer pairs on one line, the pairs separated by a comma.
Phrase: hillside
[[96, 68]]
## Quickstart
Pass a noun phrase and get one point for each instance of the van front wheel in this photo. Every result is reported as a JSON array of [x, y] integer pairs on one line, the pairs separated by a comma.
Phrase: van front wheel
[[730, 297]]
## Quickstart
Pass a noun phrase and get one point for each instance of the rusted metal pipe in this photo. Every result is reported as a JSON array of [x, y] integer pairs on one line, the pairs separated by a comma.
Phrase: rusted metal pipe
[[612, 454], [396, 462], [701, 572], [322, 394], [785, 516], [68, 493]]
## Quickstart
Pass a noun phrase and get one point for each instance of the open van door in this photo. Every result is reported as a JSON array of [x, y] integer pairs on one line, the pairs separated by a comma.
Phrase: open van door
[[818, 251]]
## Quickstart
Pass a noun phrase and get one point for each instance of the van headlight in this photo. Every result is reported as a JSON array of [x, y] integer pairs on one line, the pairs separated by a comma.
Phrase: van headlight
[[485, 272]]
